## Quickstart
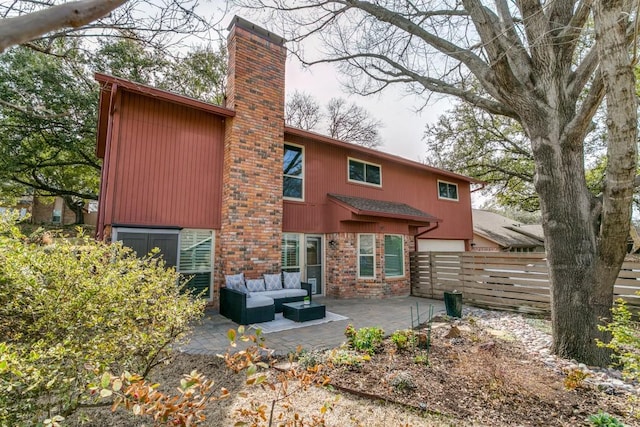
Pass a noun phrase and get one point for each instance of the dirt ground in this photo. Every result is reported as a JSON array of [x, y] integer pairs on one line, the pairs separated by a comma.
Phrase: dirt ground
[[473, 377]]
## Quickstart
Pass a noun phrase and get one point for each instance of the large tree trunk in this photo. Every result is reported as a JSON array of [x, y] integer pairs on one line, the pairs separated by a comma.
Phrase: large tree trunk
[[572, 253], [586, 239]]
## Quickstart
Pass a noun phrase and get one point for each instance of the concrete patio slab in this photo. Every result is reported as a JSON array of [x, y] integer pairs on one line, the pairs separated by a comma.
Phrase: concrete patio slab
[[210, 336]]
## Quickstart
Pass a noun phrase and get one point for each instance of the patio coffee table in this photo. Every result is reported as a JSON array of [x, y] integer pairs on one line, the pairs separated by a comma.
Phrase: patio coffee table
[[300, 312]]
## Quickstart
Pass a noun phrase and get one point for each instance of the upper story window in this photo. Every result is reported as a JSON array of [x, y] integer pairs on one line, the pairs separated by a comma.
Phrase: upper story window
[[447, 190], [365, 172], [293, 172]]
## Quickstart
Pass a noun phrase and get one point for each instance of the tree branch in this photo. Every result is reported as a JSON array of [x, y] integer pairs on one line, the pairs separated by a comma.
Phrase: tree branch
[[24, 28]]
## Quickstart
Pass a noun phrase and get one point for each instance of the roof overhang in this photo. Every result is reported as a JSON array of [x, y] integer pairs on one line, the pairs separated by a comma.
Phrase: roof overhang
[[109, 87], [370, 210]]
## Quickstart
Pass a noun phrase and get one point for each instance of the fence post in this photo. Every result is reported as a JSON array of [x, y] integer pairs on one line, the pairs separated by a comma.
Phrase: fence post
[[431, 272]]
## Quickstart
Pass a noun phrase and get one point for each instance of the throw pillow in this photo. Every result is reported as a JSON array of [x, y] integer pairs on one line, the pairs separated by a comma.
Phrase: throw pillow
[[291, 280], [273, 282], [234, 281], [255, 285], [242, 288]]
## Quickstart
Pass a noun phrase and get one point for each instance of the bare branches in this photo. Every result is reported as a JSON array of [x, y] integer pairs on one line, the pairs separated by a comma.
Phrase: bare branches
[[21, 29]]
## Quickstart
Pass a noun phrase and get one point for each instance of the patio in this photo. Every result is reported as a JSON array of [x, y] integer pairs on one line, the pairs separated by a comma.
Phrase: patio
[[210, 337]]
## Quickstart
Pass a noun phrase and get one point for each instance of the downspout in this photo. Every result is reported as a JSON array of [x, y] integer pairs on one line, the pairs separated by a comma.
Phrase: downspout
[[105, 166]]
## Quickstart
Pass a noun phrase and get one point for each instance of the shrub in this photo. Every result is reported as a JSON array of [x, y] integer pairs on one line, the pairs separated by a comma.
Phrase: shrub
[[69, 311], [311, 359], [364, 340], [625, 339], [602, 419], [403, 339], [348, 358], [421, 359], [575, 379]]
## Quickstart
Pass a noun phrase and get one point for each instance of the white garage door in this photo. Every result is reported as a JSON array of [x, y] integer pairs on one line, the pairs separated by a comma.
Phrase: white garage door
[[435, 245]]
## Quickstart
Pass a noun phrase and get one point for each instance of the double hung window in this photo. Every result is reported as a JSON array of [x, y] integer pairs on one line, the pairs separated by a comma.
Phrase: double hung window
[[393, 256], [366, 256]]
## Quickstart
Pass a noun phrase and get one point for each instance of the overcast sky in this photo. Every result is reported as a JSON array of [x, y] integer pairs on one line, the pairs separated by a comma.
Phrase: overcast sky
[[403, 125]]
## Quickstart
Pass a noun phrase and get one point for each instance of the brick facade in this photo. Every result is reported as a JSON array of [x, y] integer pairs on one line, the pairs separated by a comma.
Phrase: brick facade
[[42, 211], [342, 269], [251, 229]]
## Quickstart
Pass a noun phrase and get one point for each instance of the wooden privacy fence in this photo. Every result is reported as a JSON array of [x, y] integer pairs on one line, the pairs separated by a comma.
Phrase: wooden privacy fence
[[498, 280]]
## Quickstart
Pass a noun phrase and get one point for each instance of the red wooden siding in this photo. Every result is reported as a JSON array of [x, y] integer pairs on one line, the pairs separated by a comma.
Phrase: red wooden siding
[[166, 165], [326, 172]]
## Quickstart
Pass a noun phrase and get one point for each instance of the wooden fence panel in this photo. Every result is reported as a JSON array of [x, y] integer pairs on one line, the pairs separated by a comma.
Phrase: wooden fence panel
[[505, 281]]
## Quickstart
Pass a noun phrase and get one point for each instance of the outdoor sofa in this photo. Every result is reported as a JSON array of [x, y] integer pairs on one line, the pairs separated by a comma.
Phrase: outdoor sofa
[[257, 300]]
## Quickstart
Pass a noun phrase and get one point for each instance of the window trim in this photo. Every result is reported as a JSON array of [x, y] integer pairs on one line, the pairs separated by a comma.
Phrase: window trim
[[300, 237], [373, 255], [302, 175], [404, 271], [355, 181], [449, 198], [213, 250]]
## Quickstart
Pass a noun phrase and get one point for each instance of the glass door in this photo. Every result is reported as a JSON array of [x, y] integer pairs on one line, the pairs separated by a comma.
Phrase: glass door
[[313, 263]]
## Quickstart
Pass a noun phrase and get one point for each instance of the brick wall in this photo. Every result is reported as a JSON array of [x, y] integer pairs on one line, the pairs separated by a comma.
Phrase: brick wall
[[342, 276], [251, 231], [42, 211]]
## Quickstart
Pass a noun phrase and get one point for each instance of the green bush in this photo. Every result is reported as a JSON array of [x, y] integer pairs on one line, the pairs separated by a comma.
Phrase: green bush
[[70, 311], [403, 339], [364, 340], [602, 419], [625, 339]]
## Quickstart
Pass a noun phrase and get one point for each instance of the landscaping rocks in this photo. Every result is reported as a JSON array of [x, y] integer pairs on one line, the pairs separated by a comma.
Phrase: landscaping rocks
[[537, 342]]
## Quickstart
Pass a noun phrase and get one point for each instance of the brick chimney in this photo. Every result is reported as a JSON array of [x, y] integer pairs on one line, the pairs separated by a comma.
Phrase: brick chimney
[[251, 232]]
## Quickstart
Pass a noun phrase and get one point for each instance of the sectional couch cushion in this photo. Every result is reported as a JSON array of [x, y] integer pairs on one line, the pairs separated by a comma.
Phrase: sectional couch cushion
[[255, 285], [234, 281], [259, 301], [291, 280], [272, 282], [283, 293]]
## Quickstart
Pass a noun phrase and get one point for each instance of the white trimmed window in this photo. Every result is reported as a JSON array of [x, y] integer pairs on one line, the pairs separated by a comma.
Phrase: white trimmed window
[[366, 256], [291, 252], [393, 255], [293, 172], [447, 190], [365, 172], [195, 260]]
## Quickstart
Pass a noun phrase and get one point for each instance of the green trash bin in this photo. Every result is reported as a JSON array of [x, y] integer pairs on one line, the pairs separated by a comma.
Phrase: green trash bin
[[453, 303]]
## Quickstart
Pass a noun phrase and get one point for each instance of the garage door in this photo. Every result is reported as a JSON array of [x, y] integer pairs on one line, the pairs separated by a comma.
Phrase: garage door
[[438, 245]]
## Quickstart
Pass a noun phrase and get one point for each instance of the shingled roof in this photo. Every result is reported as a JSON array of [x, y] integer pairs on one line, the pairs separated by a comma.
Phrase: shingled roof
[[505, 231], [381, 208]]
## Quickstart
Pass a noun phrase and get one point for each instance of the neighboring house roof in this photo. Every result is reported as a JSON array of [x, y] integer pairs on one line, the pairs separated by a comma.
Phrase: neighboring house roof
[[505, 231], [379, 208]]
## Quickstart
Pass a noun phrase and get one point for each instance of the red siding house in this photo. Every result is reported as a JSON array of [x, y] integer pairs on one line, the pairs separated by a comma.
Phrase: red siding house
[[222, 190]]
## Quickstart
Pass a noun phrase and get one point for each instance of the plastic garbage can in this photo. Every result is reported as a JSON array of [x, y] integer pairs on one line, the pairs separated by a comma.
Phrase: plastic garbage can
[[453, 303]]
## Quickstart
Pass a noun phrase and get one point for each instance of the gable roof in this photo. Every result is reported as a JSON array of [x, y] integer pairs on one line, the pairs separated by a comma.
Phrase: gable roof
[[505, 231], [109, 86], [384, 209]]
